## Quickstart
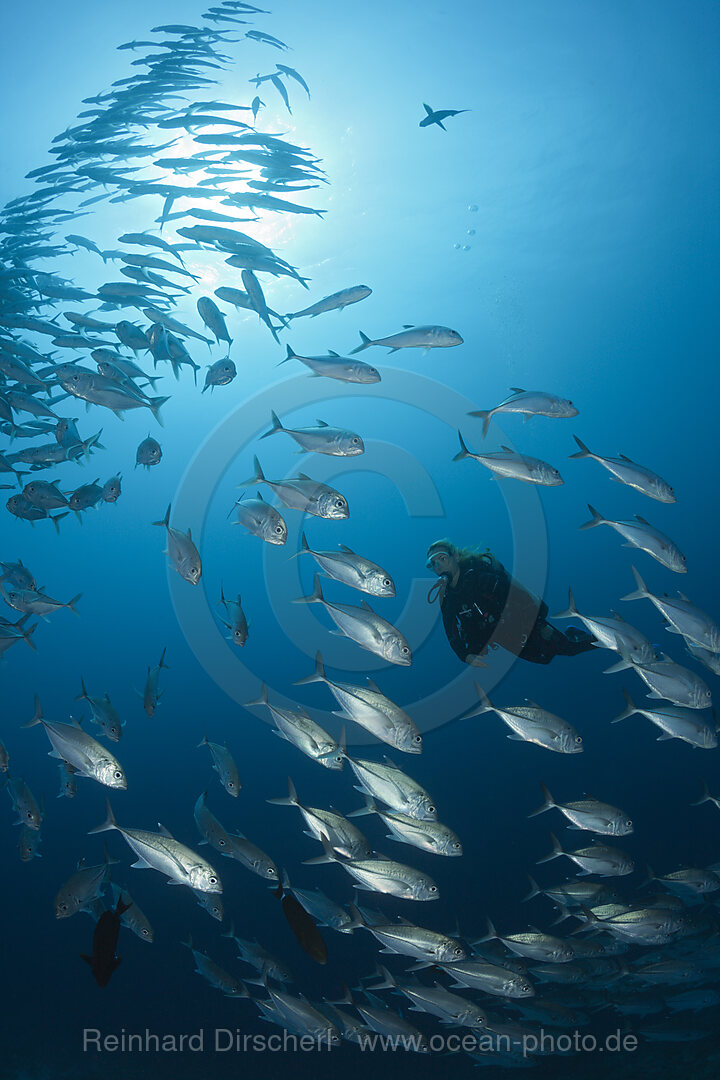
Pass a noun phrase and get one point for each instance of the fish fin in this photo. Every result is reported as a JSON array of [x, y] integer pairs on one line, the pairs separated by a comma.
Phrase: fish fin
[[165, 523], [109, 823], [316, 597], [556, 852], [262, 700], [140, 864], [548, 804], [463, 452], [275, 426], [630, 709], [37, 717], [597, 519], [364, 343], [319, 673], [571, 610], [583, 452], [641, 592]]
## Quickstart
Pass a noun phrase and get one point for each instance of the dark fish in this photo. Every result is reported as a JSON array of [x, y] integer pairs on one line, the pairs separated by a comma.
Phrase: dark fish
[[103, 961], [303, 927]]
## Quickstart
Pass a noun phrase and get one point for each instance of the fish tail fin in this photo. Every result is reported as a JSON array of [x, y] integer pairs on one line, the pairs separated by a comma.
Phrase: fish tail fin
[[556, 852], [83, 695], [156, 404], [275, 426], [291, 799], [463, 452], [535, 890], [621, 665], [629, 710], [565, 913], [203, 742], [571, 611], [485, 415], [330, 855], [262, 700], [364, 342], [258, 476], [705, 797], [37, 717], [290, 355], [318, 675], [548, 803], [162, 663], [315, 597], [370, 807], [490, 935], [357, 917], [485, 705], [650, 876], [583, 452], [388, 982], [597, 519], [27, 635], [165, 523], [346, 999], [57, 518], [641, 592], [108, 823], [71, 603]]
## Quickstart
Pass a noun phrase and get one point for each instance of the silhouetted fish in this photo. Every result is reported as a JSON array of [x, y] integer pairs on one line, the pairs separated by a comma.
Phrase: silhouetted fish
[[303, 927], [103, 961]]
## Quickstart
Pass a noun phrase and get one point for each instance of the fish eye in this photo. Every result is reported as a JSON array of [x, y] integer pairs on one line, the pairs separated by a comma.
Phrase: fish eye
[[578, 738], [117, 774], [431, 809], [526, 987], [458, 951], [212, 879], [340, 502], [145, 932], [278, 529], [456, 843], [433, 888], [221, 842], [405, 650], [387, 582], [628, 822], [417, 739], [271, 871]]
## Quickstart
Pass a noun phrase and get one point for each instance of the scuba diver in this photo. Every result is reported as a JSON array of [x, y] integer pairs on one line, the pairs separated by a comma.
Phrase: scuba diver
[[482, 606]]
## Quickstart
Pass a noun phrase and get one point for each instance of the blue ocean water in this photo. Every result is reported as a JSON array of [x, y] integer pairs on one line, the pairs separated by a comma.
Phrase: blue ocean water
[[567, 227]]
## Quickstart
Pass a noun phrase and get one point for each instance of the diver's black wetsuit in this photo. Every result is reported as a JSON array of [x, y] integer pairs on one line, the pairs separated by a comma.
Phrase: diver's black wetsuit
[[487, 607]]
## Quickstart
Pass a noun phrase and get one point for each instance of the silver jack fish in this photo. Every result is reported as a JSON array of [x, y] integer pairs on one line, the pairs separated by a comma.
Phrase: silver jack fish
[[86, 756], [509, 464], [304, 493], [184, 556], [363, 626], [352, 569], [368, 707], [160, 851]]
